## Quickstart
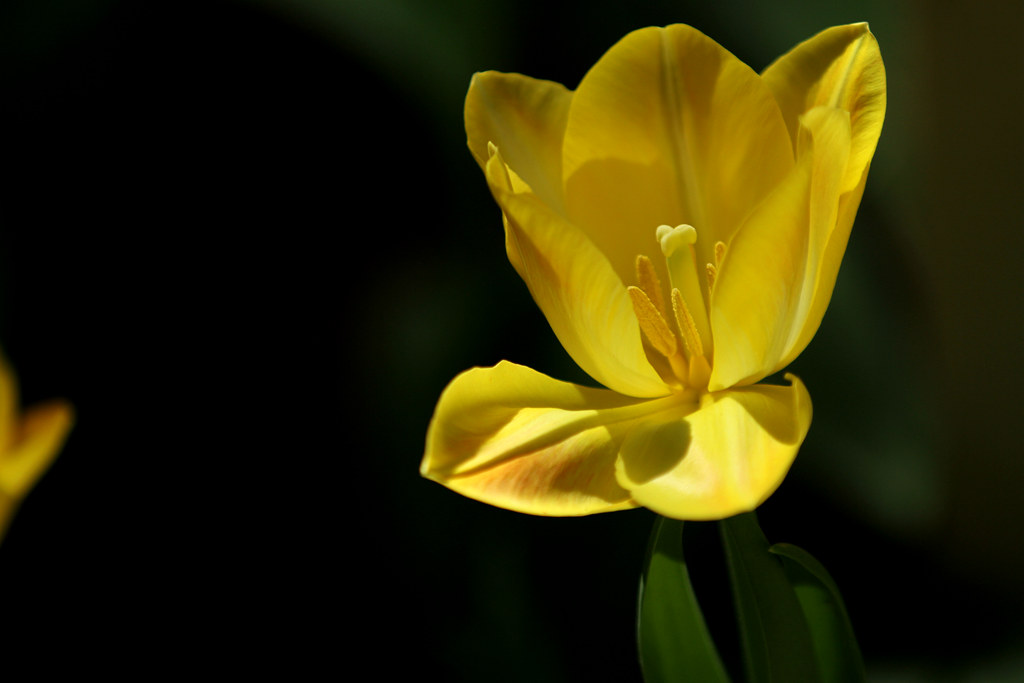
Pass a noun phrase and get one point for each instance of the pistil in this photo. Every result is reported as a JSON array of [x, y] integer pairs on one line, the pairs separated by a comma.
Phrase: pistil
[[677, 247]]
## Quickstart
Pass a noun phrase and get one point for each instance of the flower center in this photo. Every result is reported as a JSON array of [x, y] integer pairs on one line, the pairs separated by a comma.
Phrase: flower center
[[682, 353]]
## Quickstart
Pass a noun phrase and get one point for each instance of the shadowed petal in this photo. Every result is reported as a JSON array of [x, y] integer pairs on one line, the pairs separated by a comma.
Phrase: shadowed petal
[[31, 448], [517, 439], [763, 302], [524, 118], [723, 459], [28, 442], [582, 298], [35, 442], [668, 128], [8, 405]]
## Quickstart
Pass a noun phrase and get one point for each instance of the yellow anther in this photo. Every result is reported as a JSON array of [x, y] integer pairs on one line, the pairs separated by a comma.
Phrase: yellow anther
[[648, 279], [711, 272], [719, 253], [672, 239], [687, 328], [652, 324]]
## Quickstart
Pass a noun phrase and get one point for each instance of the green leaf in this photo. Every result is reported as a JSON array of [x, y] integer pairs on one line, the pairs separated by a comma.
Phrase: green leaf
[[674, 643], [831, 632], [774, 635]]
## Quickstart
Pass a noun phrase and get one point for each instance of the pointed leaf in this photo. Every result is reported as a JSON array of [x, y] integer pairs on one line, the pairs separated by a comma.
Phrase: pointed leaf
[[673, 639], [831, 632], [775, 639]]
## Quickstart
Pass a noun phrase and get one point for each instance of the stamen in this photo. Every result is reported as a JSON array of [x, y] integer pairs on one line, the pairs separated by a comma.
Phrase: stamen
[[652, 324], [648, 279], [687, 328], [719, 253], [712, 268]]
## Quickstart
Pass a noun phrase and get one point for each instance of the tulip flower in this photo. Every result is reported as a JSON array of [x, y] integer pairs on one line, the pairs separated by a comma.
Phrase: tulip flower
[[28, 443], [680, 221]]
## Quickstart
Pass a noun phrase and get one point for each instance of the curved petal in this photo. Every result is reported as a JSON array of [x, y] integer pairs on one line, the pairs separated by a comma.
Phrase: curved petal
[[721, 460], [39, 437], [517, 439], [840, 67], [668, 128], [33, 446], [524, 118], [862, 91], [583, 300], [778, 273]]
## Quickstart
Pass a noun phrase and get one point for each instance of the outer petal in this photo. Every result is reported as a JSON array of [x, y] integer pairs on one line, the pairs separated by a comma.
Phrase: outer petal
[[525, 118], [582, 298], [517, 439], [763, 308], [668, 127], [723, 459], [840, 67]]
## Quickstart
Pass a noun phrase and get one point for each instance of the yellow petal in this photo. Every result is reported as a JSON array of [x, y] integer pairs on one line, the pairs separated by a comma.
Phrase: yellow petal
[[582, 298], [39, 436], [669, 128], [517, 439], [840, 67], [827, 271], [31, 449], [769, 294], [525, 119], [723, 459]]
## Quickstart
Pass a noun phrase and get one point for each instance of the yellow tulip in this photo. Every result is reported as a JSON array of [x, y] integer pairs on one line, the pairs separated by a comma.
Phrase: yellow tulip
[[28, 443], [680, 220]]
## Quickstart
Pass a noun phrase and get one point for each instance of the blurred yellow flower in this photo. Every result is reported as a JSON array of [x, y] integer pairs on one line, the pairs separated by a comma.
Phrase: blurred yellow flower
[[680, 221], [28, 443]]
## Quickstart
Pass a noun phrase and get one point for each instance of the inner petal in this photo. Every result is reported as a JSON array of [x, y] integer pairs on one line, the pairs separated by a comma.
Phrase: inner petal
[[572, 282], [668, 127]]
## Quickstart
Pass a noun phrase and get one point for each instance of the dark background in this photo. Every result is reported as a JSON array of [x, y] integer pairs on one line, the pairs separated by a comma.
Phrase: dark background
[[247, 241]]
